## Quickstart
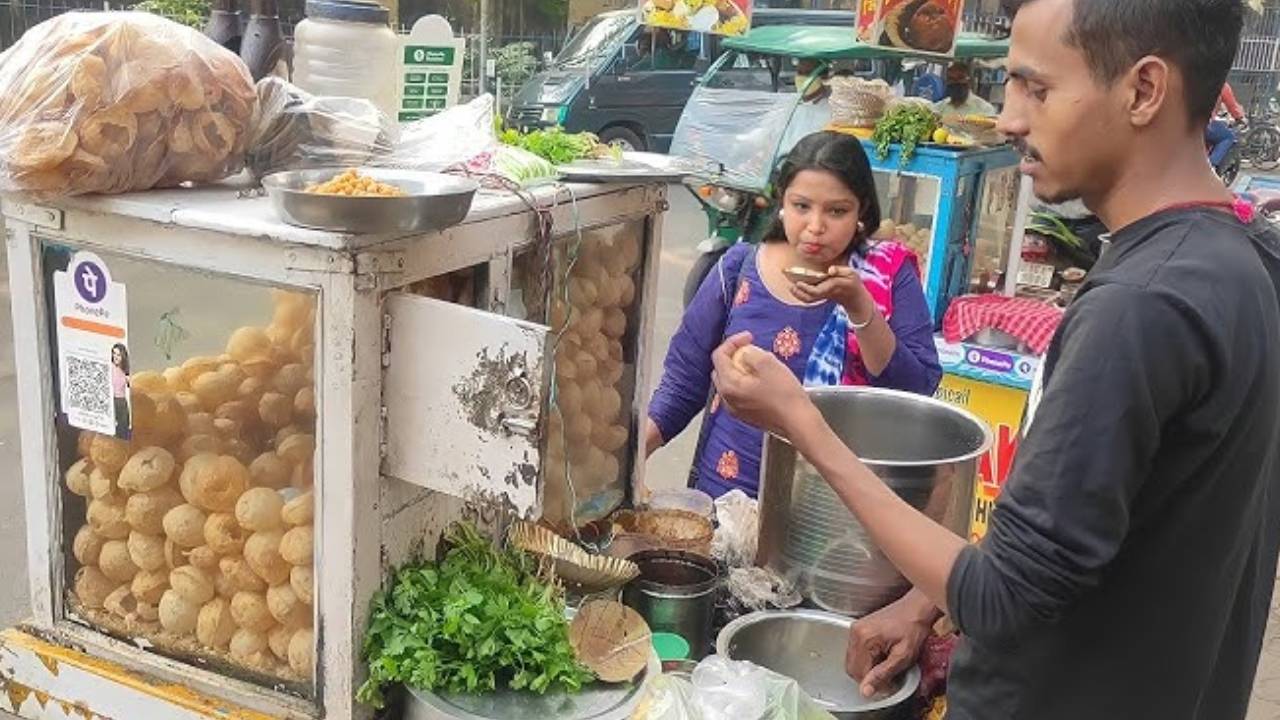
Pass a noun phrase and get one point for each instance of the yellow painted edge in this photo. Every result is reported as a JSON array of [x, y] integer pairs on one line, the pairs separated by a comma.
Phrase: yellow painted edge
[[50, 655]]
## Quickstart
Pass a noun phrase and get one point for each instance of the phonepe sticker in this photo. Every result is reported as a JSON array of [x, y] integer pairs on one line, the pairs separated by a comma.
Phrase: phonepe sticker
[[990, 360], [92, 330]]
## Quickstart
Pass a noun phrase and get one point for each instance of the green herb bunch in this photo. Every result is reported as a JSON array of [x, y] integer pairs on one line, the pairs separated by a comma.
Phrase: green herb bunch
[[908, 124], [479, 618], [557, 146]]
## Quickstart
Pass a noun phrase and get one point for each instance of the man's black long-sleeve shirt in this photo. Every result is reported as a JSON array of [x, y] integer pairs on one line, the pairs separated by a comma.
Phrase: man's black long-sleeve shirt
[[1129, 565]]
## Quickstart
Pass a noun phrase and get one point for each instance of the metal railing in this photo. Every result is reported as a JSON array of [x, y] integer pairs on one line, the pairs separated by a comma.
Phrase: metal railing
[[18, 16], [472, 66], [1258, 54]]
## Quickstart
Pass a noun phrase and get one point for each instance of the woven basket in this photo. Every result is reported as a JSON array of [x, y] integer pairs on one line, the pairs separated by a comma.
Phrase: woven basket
[[858, 103], [670, 529]]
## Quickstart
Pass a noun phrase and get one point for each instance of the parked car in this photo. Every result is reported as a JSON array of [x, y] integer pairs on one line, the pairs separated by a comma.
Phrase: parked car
[[628, 83]]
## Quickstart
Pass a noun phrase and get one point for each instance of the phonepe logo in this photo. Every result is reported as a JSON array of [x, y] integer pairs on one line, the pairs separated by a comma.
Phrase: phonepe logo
[[90, 281]]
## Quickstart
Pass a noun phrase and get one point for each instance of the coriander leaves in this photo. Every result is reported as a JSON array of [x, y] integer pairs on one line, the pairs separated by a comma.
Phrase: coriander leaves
[[477, 620]]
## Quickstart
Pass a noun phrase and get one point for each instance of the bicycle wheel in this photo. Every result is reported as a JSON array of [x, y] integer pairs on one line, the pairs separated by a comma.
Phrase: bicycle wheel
[[1262, 147]]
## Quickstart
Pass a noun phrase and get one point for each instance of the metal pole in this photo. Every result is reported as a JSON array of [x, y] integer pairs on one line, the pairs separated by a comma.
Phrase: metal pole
[[484, 45]]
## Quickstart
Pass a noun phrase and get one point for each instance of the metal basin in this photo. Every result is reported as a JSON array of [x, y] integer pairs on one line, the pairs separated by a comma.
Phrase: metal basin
[[808, 646], [925, 450], [432, 202]]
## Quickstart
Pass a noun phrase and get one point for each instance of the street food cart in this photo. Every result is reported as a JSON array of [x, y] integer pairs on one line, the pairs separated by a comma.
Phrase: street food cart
[[345, 397], [964, 213]]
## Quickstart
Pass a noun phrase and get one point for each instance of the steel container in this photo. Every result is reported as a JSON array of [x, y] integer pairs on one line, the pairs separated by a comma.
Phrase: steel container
[[925, 450], [676, 593], [808, 646]]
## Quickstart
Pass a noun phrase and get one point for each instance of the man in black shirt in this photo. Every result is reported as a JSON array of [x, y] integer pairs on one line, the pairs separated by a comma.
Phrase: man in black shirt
[[1128, 568]]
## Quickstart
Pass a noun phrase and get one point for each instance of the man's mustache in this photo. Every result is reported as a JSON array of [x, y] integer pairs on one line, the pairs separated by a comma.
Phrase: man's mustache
[[1026, 150]]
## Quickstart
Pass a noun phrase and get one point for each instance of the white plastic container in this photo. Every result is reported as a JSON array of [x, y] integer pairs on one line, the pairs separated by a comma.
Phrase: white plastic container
[[694, 501], [346, 48]]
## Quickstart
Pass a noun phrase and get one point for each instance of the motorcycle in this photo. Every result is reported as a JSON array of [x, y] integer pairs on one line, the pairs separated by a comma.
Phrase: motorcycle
[[1228, 167], [1260, 140]]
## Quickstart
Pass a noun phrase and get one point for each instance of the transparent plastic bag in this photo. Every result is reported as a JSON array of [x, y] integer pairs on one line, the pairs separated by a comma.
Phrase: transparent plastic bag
[[723, 689], [759, 588], [735, 689], [111, 102], [296, 130], [453, 137], [737, 527], [669, 697]]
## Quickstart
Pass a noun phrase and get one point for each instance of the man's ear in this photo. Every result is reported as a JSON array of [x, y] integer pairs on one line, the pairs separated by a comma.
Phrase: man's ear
[[1147, 89]]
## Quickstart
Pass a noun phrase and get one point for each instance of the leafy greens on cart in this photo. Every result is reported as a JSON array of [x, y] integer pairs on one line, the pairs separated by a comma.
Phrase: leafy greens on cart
[[481, 618]]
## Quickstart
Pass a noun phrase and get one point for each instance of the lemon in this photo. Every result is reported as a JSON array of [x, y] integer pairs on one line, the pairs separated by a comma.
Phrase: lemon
[[940, 135]]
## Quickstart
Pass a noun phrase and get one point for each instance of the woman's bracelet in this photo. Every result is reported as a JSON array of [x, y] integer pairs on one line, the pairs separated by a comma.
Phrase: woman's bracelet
[[863, 325]]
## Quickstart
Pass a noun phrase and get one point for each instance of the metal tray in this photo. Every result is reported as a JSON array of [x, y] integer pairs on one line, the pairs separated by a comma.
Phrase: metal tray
[[595, 702], [633, 167], [432, 202]]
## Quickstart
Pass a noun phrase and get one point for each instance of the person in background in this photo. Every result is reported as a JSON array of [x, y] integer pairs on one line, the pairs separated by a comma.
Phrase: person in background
[[867, 324], [1217, 134], [960, 99], [1128, 569], [813, 112]]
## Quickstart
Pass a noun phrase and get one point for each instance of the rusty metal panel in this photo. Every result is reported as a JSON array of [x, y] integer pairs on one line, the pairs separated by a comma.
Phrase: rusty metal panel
[[464, 392]]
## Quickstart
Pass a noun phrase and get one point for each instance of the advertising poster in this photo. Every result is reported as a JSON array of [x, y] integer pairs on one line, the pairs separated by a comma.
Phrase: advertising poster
[[430, 69], [719, 17], [917, 26], [1001, 409]]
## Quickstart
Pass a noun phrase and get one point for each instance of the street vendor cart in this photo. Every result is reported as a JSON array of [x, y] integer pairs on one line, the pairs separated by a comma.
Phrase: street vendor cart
[[964, 212], [351, 396]]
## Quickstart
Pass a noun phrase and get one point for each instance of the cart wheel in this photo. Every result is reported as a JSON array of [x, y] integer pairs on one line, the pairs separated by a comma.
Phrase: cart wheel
[[624, 137]]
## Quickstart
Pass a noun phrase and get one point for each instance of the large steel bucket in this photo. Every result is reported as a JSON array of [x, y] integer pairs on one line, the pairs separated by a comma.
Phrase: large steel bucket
[[925, 450]]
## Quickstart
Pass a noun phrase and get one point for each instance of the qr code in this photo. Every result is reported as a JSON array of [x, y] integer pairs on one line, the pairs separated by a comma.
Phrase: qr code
[[88, 386]]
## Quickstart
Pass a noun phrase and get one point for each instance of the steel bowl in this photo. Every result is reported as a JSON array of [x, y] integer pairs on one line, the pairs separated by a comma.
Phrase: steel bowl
[[431, 202], [809, 647]]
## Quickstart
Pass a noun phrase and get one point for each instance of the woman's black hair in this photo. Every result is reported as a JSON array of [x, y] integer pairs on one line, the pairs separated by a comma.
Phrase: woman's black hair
[[124, 356], [841, 155]]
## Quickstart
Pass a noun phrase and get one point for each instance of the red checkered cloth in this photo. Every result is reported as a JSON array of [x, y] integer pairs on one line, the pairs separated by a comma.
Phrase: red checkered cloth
[[1031, 321]]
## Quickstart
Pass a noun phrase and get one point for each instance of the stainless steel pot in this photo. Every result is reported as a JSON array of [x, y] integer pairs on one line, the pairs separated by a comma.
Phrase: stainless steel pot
[[925, 450], [676, 593], [808, 646]]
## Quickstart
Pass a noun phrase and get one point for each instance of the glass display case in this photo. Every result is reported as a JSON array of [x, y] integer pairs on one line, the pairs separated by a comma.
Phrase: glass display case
[[586, 290], [994, 232], [956, 208], [232, 428], [186, 430], [908, 211]]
